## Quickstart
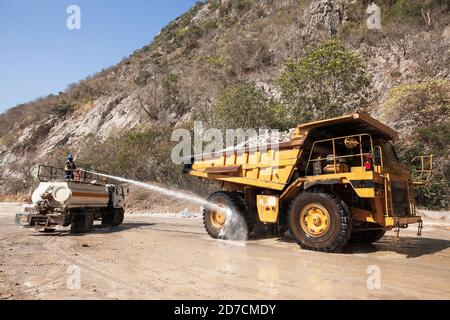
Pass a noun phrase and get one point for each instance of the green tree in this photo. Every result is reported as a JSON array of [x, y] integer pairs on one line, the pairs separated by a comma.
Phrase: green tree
[[418, 104], [328, 81], [417, 10], [432, 140], [244, 106], [142, 154], [420, 111]]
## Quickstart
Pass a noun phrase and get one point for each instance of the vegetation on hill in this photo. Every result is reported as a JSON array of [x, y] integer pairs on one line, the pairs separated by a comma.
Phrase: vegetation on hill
[[244, 106], [328, 81], [422, 112]]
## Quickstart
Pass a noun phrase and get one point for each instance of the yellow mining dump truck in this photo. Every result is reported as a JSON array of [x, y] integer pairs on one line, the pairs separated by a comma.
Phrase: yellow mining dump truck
[[75, 201], [335, 180]]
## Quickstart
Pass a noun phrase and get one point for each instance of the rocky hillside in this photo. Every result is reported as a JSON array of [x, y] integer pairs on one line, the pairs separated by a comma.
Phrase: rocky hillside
[[180, 75]]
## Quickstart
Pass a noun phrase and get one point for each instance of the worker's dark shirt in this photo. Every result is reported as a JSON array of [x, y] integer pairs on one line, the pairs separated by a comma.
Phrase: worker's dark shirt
[[70, 165]]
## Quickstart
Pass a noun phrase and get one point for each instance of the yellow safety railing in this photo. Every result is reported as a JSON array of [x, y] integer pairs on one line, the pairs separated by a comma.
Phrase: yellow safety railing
[[423, 175], [361, 154]]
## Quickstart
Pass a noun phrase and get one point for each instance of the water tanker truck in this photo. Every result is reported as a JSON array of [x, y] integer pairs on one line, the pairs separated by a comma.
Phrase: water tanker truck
[[335, 181], [76, 202]]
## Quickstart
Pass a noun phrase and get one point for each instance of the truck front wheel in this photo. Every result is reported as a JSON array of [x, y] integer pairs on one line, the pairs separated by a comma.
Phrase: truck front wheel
[[119, 215], [319, 221], [113, 217], [226, 217]]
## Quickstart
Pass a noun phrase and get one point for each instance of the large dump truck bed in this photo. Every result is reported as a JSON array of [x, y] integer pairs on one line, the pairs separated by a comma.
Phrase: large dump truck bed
[[269, 166], [272, 166]]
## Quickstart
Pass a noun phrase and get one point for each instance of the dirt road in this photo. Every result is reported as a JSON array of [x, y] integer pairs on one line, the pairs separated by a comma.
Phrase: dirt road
[[169, 257]]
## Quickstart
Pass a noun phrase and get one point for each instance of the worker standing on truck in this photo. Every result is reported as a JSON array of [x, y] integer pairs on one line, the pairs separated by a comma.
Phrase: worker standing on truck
[[70, 167]]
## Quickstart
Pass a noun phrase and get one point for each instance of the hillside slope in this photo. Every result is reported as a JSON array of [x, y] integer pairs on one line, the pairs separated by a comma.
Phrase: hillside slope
[[178, 77]]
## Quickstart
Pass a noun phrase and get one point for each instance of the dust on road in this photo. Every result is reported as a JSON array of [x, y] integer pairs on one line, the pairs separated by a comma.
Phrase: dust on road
[[168, 257]]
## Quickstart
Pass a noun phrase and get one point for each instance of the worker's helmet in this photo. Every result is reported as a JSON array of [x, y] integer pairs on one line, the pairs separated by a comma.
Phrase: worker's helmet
[[70, 157]]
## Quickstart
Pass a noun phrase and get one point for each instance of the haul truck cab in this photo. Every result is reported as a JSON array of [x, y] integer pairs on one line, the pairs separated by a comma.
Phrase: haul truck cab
[[336, 180], [76, 202]]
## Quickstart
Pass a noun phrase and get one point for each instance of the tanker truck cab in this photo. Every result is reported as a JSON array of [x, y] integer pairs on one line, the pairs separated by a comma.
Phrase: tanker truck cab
[[117, 196], [336, 180], [76, 203]]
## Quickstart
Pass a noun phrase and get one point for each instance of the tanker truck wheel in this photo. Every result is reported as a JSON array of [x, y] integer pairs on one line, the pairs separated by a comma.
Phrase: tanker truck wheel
[[232, 222], [89, 222], [112, 217], [107, 217], [77, 224], [319, 221], [81, 222], [118, 217]]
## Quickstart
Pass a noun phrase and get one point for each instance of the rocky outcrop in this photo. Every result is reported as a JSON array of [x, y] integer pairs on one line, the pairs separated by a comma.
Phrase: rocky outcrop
[[323, 16]]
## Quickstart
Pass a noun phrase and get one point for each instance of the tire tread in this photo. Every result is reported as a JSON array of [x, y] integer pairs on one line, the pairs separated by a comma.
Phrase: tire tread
[[345, 229]]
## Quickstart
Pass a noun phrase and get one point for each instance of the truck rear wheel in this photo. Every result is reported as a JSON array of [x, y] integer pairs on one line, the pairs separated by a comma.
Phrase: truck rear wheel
[[232, 222], [367, 236], [81, 222], [319, 221], [89, 222], [77, 224]]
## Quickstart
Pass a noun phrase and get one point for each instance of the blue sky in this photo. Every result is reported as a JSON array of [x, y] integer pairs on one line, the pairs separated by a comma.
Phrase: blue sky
[[39, 55]]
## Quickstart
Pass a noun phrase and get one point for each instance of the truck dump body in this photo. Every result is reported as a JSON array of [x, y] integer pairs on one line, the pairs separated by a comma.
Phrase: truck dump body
[[268, 168], [272, 166]]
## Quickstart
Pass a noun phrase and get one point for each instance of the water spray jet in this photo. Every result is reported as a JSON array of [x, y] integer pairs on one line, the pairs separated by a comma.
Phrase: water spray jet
[[167, 192], [233, 224]]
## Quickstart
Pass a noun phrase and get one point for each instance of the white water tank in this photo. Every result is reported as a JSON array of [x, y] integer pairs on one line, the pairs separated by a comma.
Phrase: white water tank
[[71, 194], [59, 193]]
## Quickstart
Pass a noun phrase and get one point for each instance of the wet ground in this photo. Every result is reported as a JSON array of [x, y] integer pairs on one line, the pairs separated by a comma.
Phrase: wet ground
[[170, 257]]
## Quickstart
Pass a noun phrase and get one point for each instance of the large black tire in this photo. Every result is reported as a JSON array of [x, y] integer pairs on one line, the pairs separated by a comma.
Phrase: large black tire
[[78, 223], [118, 217], [107, 217], [89, 222], [367, 236], [82, 222], [333, 229], [113, 217], [235, 227], [250, 218]]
